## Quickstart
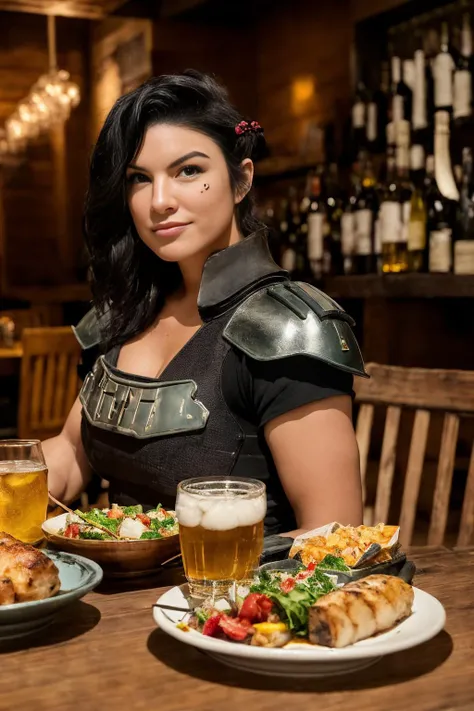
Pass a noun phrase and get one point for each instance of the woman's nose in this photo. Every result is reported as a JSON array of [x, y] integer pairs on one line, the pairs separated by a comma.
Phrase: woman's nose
[[163, 199]]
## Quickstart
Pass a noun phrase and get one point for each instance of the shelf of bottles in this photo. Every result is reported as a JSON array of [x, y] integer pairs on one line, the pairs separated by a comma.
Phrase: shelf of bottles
[[406, 205]]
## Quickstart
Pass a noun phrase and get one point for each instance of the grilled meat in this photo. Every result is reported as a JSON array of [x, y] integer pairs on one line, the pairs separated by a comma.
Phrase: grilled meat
[[25, 572], [359, 610]]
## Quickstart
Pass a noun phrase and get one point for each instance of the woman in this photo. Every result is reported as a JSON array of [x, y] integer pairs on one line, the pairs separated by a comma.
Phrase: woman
[[211, 362]]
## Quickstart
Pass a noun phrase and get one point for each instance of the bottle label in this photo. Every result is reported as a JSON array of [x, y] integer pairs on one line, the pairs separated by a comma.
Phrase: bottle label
[[391, 222], [462, 93], [440, 250], [372, 122], [416, 235], [358, 115], [347, 234], [464, 257], [419, 92], [363, 230], [288, 260], [443, 66], [397, 108], [378, 236], [417, 157], [315, 236]]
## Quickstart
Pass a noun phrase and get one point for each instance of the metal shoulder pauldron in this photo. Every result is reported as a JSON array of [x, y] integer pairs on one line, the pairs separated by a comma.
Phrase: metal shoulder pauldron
[[294, 318], [141, 409]]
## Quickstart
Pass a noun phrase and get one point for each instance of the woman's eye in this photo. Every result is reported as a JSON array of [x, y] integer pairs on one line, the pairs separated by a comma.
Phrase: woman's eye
[[189, 171], [133, 178]]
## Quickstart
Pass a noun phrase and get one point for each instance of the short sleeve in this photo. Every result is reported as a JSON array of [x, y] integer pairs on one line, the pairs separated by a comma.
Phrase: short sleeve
[[260, 391]]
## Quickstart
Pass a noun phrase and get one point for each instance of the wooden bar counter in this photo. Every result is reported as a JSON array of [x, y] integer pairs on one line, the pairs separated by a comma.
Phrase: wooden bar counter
[[105, 653]]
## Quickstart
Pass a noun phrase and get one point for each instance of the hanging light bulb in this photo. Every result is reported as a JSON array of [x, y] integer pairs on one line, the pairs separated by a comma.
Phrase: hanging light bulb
[[49, 102]]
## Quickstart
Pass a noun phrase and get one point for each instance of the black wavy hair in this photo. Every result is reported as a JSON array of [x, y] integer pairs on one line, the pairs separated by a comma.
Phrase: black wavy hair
[[127, 278]]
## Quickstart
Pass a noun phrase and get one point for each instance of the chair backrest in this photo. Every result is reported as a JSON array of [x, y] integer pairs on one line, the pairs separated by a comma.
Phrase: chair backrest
[[425, 391], [48, 383]]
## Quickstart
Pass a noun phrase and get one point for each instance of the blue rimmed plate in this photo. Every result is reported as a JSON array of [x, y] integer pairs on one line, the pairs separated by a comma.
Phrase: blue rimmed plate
[[77, 575]]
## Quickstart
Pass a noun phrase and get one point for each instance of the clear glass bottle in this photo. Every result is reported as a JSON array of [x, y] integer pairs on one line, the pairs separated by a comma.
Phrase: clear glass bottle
[[395, 207], [417, 223]]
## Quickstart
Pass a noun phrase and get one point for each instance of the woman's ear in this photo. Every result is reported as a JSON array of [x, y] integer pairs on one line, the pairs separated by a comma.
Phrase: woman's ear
[[248, 170]]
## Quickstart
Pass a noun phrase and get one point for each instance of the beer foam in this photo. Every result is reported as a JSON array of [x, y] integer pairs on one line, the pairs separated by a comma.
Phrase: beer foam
[[219, 513], [21, 466]]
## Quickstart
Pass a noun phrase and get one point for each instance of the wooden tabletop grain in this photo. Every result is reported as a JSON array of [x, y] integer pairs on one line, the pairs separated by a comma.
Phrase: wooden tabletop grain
[[13, 351], [105, 654]]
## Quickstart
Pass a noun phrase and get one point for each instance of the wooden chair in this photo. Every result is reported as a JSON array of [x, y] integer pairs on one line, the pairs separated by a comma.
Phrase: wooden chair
[[48, 381], [425, 391]]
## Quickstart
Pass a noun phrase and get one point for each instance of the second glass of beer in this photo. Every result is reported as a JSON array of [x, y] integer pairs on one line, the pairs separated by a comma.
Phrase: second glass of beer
[[221, 531]]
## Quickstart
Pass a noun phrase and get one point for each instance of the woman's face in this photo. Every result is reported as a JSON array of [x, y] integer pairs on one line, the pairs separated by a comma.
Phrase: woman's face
[[179, 194]]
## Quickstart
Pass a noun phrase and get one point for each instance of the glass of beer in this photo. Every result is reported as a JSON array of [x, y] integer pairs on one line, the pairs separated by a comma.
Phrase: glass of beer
[[221, 531], [23, 489]]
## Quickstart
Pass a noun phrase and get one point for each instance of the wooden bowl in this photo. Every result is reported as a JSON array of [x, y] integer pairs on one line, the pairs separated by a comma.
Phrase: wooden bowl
[[118, 559]]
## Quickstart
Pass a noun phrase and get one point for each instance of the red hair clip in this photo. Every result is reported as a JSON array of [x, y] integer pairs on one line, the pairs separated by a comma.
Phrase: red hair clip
[[245, 126]]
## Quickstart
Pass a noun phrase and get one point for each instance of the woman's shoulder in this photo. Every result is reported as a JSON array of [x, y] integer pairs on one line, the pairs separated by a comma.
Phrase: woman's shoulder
[[295, 319]]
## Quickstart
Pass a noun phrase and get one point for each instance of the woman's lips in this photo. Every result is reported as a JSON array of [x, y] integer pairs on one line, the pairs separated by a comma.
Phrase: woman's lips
[[173, 230]]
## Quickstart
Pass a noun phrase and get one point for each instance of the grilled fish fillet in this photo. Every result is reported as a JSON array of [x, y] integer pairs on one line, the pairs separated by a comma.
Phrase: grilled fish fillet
[[25, 572], [359, 610]]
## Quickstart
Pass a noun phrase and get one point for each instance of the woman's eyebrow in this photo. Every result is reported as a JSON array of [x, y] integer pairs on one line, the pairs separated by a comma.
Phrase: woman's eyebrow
[[188, 156], [175, 163]]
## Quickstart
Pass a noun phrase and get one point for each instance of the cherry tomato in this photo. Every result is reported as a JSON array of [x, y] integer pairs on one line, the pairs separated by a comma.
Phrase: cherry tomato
[[211, 626], [235, 628], [72, 531], [256, 608], [144, 519], [287, 585]]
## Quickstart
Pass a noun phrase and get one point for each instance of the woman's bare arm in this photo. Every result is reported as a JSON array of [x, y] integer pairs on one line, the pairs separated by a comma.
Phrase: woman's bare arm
[[68, 468], [316, 455]]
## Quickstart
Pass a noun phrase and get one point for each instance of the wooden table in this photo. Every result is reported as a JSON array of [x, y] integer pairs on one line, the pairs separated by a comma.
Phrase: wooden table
[[105, 654], [14, 351]]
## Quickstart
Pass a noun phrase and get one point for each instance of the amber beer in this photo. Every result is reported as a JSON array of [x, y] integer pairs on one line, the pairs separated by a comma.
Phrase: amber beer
[[221, 531], [23, 490]]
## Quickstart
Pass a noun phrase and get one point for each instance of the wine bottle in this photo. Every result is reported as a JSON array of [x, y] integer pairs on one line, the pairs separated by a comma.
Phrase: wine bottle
[[417, 221], [316, 219], [334, 211], [439, 217], [464, 244], [395, 208], [443, 67], [377, 110], [443, 170], [401, 99], [462, 89], [366, 208], [348, 241], [359, 117]]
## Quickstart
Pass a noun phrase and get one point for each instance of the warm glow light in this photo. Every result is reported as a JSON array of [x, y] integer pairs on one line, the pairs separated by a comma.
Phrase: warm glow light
[[302, 93], [49, 102]]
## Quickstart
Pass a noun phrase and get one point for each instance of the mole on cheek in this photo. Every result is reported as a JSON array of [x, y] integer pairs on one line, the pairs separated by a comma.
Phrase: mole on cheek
[[205, 187]]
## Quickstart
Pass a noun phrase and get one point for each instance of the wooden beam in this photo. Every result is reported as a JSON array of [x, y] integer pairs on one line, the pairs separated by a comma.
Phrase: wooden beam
[[85, 9], [173, 8]]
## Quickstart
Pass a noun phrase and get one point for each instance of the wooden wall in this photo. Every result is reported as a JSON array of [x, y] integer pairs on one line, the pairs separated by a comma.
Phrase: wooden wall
[[41, 244], [228, 53], [302, 69]]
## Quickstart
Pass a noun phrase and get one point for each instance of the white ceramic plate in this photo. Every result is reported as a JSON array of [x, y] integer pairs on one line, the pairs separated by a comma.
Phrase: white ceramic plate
[[305, 660]]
